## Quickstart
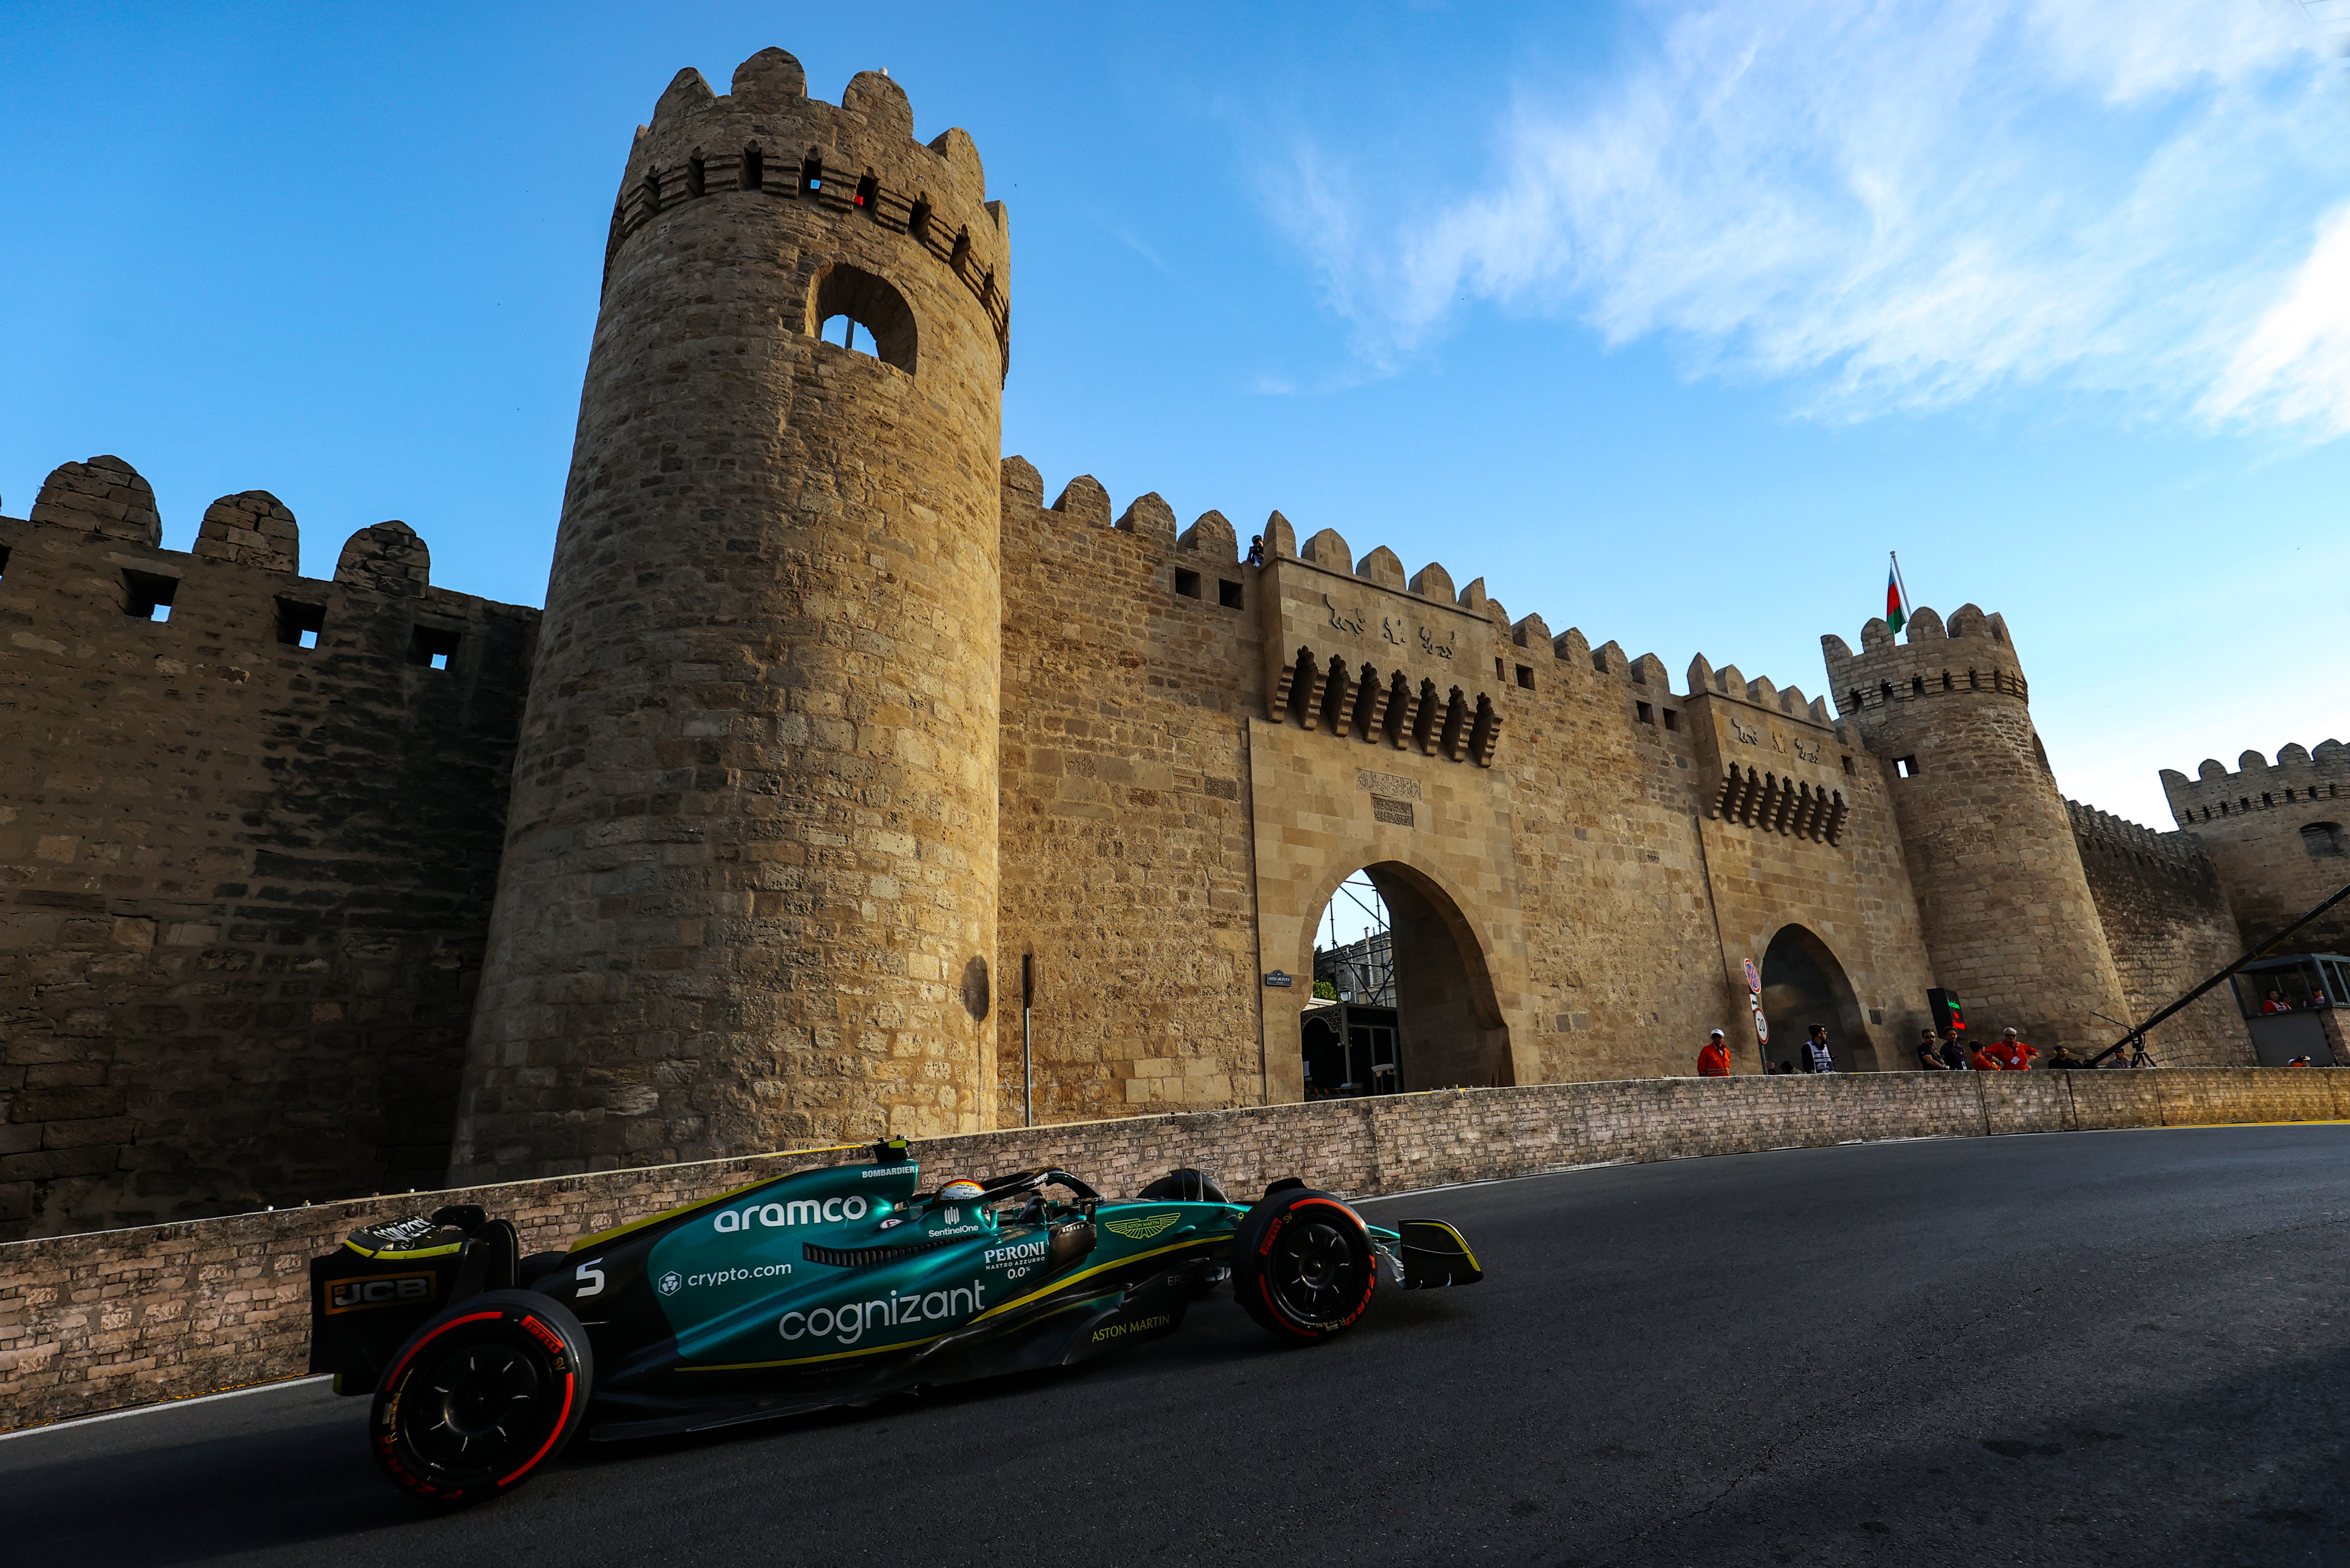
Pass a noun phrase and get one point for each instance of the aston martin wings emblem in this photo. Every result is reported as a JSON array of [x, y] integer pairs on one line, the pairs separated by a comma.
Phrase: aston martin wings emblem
[[1141, 1230]]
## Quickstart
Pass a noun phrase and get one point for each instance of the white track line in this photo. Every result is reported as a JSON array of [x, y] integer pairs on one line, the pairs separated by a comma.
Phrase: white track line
[[166, 1405]]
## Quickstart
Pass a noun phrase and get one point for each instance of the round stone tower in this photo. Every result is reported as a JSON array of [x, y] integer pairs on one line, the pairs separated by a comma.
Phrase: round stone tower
[[750, 874], [2009, 921]]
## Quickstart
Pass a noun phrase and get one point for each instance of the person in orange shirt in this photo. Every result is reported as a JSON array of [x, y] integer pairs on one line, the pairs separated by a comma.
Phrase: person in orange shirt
[[1984, 1060], [2014, 1054], [1713, 1060]]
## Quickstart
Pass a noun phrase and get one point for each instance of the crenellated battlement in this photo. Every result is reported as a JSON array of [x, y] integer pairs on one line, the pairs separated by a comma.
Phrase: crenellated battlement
[[1972, 654], [2298, 776], [853, 161], [94, 538], [2101, 832]]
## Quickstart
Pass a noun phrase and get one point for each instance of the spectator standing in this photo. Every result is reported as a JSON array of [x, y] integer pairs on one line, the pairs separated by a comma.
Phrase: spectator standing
[[1256, 550], [2064, 1057], [1954, 1052], [2014, 1054], [1929, 1053], [1713, 1060], [1817, 1054]]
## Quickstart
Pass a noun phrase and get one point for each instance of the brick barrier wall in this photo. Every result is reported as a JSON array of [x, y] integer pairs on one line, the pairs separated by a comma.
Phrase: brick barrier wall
[[97, 1322]]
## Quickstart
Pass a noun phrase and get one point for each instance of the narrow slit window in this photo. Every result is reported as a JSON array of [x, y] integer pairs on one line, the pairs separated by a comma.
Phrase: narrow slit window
[[693, 175], [1228, 594], [755, 170], [299, 625], [3, 562], [811, 176], [917, 219], [868, 196], [1909, 767], [1946, 681], [651, 189], [1646, 714], [1917, 686], [1672, 720], [1187, 583], [1526, 677], [1848, 770], [146, 596], [432, 647]]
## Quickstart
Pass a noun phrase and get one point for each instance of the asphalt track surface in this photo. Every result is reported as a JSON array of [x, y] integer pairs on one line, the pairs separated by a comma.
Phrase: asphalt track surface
[[2127, 1347]]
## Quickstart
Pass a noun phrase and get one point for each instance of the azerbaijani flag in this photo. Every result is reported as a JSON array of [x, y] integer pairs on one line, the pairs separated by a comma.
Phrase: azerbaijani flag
[[1897, 599]]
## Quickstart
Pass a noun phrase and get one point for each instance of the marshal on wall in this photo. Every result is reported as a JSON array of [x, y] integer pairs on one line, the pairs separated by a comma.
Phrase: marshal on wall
[[834, 716]]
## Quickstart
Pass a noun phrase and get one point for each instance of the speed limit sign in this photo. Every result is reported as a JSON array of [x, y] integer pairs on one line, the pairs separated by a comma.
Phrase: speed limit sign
[[1762, 1028]]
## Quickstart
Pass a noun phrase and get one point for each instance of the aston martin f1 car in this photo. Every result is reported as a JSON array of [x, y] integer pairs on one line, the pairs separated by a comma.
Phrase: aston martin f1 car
[[827, 1287]]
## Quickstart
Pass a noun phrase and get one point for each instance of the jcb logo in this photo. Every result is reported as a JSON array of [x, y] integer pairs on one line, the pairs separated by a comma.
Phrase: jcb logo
[[378, 1291]]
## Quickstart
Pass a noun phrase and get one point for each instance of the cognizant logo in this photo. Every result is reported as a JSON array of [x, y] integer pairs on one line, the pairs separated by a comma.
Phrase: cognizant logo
[[798, 1211], [848, 1322]]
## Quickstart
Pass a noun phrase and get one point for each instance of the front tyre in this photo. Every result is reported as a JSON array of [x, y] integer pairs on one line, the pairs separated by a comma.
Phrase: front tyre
[[1303, 1265], [480, 1397]]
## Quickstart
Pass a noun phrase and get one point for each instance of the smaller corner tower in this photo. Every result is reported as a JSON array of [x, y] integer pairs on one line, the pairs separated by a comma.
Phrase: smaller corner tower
[[2008, 920]]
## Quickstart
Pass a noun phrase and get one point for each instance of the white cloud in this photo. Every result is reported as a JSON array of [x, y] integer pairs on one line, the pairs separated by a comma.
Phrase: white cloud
[[1895, 206], [2295, 366]]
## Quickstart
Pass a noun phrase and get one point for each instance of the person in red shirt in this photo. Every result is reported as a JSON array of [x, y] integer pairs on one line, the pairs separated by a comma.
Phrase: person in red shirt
[[1985, 1059], [2013, 1053], [1713, 1060]]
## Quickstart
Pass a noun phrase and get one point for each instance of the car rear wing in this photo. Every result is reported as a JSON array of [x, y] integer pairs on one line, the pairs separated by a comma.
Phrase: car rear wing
[[368, 1295]]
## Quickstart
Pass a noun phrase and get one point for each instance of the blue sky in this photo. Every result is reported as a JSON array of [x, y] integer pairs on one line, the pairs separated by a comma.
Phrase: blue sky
[[1668, 320]]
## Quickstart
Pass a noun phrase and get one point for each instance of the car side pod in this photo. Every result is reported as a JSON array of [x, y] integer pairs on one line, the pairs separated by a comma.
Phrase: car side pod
[[1435, 1254]]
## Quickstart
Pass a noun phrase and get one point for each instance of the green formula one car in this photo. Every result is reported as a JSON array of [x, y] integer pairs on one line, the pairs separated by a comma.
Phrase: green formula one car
[[826, 1287]]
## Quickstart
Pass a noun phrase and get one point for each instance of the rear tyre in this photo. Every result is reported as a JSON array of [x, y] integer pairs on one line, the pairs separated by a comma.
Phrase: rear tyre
[[1303, 1265], [480, 1397]]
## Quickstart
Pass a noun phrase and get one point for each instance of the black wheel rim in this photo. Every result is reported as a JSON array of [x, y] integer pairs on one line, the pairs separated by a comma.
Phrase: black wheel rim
[[1314, 1271], [478, 1408]]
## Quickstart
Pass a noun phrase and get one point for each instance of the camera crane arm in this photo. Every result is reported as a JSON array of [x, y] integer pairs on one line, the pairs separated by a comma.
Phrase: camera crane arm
[[2138, 1034]]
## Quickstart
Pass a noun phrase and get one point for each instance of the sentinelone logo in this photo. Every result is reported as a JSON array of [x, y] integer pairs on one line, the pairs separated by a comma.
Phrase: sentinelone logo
[[798, 1211]]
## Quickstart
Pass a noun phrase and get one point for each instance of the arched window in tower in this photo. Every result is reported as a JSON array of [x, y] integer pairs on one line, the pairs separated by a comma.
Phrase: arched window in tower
[[917, 219], [693, 173], [868, 196], [754, 168], [1917, 686], [649, 190], [1974, 681], [2321, 838], [961, 252], [811, 174], [1946, 681], [851, 307]]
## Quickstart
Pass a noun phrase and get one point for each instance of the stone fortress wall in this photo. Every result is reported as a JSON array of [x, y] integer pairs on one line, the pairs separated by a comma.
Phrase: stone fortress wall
[[834, 725], [247, 856]]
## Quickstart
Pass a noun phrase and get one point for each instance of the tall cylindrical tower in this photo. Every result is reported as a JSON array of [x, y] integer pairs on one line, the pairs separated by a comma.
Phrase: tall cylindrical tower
[[2009, 921], [750, 874]]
